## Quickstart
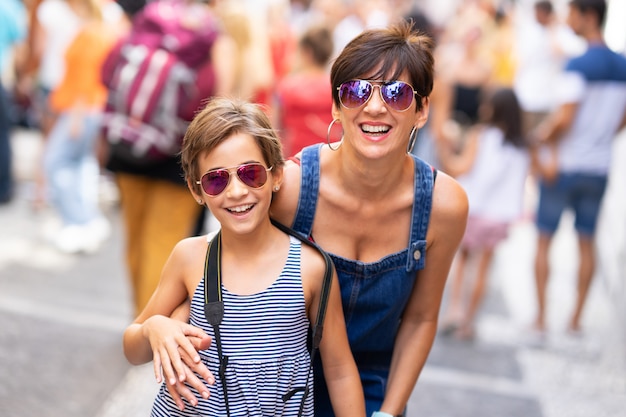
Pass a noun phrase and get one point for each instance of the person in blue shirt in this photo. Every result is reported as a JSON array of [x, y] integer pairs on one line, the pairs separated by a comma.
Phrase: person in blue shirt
[[592, 96], [12, 31]]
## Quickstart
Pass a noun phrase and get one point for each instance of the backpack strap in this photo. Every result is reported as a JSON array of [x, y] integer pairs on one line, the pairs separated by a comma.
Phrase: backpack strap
[[214, 306]]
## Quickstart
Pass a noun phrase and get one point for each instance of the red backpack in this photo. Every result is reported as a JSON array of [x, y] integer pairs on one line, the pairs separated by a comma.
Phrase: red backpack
[[158, 77]]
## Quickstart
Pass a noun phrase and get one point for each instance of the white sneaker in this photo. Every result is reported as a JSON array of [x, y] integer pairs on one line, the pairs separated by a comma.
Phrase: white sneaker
[[99, 229], [74, 239]]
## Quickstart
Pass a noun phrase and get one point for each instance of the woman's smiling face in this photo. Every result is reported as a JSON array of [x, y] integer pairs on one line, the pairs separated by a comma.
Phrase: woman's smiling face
[[375, 128]]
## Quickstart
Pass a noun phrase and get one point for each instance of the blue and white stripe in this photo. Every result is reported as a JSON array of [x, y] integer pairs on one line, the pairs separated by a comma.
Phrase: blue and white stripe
[[265, 337]]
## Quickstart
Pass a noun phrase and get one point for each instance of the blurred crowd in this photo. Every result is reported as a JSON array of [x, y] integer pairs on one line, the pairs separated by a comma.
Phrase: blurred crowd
[[497, 64]]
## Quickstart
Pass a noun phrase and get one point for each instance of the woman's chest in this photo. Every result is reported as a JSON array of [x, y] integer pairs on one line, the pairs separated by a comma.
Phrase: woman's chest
[[365, 232]]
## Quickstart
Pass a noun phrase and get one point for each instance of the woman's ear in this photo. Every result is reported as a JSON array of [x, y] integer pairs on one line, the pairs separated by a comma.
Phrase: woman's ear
[[421, 117], [335, 111]]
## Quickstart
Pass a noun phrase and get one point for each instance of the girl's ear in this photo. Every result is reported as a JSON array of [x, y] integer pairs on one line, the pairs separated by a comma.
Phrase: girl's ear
[[192, 190], [277, 178]]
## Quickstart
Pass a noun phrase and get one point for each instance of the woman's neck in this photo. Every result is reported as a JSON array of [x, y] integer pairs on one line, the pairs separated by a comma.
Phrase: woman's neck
[[371, 179]]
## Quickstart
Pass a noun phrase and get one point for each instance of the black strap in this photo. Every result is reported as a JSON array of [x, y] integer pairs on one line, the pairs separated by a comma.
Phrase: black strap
[[214, 306]]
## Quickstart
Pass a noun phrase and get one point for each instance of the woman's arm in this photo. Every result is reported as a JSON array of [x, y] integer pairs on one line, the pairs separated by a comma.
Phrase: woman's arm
[[340, 371], [419, 322]]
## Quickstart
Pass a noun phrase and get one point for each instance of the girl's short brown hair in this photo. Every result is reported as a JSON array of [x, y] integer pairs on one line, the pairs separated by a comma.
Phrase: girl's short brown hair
[[217, 121]]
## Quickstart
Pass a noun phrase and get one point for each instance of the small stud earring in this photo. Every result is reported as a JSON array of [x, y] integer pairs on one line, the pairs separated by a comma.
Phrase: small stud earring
[[200, 201], [276, 187]]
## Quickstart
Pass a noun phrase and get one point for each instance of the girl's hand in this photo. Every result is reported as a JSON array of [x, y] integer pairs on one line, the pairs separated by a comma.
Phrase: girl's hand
[[180, 390], [174, 345]]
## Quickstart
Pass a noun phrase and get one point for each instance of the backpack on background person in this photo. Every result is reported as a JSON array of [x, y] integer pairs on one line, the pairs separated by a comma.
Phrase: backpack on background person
[[158, 76]]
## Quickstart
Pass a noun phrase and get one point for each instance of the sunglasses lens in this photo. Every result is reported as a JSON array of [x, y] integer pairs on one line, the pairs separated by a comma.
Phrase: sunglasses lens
[[215, 182], [355, 93], [253, 175], [397, 95]]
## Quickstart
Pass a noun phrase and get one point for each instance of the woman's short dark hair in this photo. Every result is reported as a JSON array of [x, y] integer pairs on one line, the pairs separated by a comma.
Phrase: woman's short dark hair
[[390, 52]]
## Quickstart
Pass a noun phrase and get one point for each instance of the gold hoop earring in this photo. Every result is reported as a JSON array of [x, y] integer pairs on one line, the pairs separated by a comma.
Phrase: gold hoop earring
[[412, 140], [330, 126]]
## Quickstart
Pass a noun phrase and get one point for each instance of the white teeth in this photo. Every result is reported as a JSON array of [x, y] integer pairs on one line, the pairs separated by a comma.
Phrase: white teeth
[[374, 129], [241, 209]]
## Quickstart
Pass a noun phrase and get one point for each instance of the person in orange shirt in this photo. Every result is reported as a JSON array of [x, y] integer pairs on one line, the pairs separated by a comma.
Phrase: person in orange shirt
[[70, 163]]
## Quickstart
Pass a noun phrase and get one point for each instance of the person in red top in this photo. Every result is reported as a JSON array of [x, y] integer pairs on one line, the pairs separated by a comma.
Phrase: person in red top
[[303, 98]]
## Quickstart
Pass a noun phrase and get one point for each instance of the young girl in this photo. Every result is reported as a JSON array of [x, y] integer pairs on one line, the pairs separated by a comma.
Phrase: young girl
[[270, 283], [492, 167]]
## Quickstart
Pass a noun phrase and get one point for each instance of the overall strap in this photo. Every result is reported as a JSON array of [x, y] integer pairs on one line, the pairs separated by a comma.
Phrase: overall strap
[[309, 187], [424, 178]]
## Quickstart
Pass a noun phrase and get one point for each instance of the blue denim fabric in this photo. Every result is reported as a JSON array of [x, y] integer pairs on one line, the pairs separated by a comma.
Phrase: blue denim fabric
[[6, 177], [581, 192], [373, 294], [72, 169]]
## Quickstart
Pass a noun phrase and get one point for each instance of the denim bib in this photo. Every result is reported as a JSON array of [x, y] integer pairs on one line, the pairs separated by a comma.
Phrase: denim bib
[[373, 294]]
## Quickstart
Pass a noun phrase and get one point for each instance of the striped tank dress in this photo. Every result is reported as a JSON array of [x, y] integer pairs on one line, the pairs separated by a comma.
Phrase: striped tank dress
[[264, 336]]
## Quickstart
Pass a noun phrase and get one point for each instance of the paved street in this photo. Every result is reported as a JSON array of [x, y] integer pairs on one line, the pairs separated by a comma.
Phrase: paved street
[[62, 318]]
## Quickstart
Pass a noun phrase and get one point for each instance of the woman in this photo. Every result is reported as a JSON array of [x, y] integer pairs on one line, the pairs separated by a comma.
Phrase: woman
[[374, 209]]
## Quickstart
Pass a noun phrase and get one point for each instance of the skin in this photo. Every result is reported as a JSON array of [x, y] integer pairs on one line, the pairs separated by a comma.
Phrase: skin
[[369, 181], [253, 255]]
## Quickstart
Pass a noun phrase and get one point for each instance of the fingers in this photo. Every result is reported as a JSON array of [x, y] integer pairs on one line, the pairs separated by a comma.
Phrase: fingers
[[198, 338], [156, 365], [181, 390], [198, 368], [178, 391], [166, 366]]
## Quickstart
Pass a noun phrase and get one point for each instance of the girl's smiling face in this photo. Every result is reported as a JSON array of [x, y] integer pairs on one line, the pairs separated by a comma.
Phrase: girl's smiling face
[[239, 207]]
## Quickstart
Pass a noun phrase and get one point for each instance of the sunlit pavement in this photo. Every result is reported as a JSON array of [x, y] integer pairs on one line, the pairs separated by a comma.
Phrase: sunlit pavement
[[62, 319]]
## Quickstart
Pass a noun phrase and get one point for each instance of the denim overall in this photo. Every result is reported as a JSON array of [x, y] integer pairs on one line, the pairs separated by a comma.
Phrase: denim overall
[[374, 294]]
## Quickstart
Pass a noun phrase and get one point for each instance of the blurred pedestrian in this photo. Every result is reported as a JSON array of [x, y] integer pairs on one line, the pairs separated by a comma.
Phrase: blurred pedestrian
[[592, 109], [157, 210], [12, 30], [303, 98], [70, 163], [542, 46], [53, 25], [492, 167], [464, 69]]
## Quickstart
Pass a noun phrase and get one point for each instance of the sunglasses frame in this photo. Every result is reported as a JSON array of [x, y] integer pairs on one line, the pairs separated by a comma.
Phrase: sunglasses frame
[[230, 175], [379, 84]]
